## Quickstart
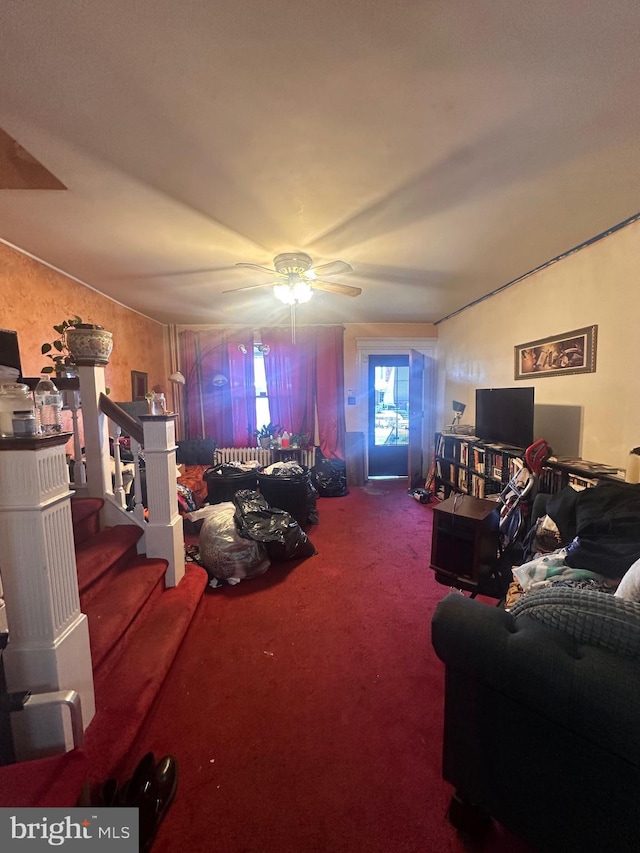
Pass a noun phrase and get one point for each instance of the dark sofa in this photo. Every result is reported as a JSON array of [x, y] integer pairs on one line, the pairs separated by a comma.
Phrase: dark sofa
[[542, 717]]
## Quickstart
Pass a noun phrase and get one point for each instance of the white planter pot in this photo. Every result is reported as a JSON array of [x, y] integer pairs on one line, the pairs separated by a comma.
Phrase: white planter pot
[[89, 344]]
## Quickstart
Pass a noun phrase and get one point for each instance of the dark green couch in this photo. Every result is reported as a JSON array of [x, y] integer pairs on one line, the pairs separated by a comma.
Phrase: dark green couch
[[542, 717]]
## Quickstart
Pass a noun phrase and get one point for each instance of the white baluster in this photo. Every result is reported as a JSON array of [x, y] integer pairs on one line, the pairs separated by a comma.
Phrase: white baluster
[[72, 402], [118, 486], [138, 506]]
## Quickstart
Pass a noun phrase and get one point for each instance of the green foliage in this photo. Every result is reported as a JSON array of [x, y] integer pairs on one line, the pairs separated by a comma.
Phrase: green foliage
[[57, 350], [269, 430], [299, 439]]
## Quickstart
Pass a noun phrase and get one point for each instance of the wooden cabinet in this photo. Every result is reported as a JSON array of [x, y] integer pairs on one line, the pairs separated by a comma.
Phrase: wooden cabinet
[[464, 544]]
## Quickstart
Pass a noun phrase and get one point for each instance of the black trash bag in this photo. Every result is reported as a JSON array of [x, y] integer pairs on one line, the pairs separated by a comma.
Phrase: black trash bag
[[281, 534], [312, 502], [288, 486], [329, 476], [224, 480]]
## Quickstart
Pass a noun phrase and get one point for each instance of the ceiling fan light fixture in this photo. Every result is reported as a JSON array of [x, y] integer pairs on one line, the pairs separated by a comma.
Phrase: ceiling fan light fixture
[[302, 291], [284, 293], [293, 293]]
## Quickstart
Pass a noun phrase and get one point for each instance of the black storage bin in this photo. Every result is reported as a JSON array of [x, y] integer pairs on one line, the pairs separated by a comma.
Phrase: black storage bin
[[224, 481], [288, 493]]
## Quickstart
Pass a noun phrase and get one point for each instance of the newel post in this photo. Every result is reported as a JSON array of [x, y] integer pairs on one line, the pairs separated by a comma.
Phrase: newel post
[[164, 534], [48, 647], [96, 430]]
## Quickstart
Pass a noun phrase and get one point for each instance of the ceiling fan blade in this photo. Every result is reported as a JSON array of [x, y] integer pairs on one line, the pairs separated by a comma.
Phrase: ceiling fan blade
[[334, 287], [258, 267], [249, 287], [333, 268]]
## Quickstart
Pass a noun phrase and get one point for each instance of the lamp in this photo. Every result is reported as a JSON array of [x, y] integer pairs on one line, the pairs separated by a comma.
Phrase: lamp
[[458, 411], [177, 378]]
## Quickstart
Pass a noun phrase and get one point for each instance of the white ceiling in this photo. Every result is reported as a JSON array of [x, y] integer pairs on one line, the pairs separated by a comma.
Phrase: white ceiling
[[441, 148]]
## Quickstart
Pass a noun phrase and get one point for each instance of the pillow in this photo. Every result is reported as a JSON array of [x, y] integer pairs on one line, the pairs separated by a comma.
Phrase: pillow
[[629, 586]]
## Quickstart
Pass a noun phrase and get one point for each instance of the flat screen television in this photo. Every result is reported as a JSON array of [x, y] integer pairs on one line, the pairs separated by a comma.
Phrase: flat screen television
[[505, 416], [9, 352]]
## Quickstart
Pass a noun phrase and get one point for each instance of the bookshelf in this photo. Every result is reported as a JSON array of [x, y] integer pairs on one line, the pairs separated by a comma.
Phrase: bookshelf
[[578, 473], [467, 465]]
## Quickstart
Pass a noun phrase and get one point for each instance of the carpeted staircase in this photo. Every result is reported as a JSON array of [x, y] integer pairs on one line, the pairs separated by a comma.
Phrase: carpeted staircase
[[136, 627]]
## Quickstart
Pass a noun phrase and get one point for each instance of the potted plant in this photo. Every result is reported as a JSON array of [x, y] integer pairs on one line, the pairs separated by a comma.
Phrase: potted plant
[[58, 351], [77, 343], [267, 433], [89, 343], [299, 439]]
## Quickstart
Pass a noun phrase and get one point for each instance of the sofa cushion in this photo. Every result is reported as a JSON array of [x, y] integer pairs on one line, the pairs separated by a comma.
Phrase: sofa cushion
[[592, 618]]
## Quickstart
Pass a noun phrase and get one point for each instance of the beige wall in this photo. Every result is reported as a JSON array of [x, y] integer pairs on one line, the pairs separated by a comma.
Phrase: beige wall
[[34, 297], [597, 285]]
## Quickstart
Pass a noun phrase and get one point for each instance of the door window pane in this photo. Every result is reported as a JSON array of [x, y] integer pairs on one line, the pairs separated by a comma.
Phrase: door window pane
[[391, 406]]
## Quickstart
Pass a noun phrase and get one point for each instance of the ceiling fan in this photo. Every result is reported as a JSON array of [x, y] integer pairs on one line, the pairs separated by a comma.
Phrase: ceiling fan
[[294, 278]]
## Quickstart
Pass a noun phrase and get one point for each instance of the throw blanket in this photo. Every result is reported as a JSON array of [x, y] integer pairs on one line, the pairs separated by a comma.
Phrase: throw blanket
[[601, 524], [538, 572]]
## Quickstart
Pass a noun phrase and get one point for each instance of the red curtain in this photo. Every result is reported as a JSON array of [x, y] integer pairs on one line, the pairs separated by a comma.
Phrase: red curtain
[[305, 381], [329, 358], [306, 377], [219, 391], [290, 373]]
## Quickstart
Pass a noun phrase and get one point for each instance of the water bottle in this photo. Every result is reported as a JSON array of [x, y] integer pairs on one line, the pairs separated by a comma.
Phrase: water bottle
[[48, 407]]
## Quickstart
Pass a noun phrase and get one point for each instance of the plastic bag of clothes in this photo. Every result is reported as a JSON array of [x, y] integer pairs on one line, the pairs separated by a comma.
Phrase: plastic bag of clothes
[[281, 534], [330, 477], [223, 552]]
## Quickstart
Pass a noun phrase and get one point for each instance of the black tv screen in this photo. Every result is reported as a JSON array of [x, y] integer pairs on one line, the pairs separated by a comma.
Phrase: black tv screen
[[505, 416], [9, 352]]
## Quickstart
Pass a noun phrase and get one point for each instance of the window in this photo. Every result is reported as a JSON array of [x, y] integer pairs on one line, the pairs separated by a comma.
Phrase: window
[[263, 416]]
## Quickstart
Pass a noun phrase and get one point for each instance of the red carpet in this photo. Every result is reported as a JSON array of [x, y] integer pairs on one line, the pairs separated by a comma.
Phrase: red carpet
[[305, 706]]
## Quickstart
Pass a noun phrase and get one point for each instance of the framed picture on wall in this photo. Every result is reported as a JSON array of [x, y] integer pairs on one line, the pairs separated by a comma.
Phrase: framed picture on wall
[[558, 355], [138, 385]]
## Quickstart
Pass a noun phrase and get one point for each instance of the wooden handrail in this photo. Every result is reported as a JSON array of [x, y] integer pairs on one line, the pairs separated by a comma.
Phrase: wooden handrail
[[123, 419]]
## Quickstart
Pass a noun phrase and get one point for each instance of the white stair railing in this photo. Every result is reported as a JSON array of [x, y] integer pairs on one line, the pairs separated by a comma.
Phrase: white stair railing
[[72, 402], [119, 491]]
